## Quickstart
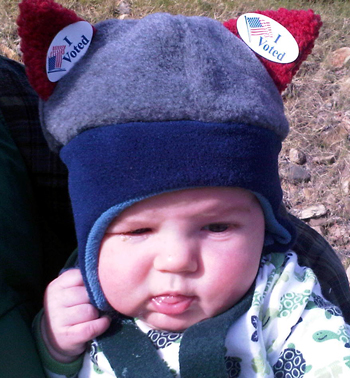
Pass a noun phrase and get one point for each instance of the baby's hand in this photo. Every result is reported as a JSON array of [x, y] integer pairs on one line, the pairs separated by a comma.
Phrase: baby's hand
[[69, 320]]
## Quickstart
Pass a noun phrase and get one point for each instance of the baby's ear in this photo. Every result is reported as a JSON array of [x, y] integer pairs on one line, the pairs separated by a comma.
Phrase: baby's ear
[[39, 22], [304, 27]]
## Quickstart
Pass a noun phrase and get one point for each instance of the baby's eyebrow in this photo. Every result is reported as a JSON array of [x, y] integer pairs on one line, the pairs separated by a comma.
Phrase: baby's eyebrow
[[227, 208], [212, 211], [223, 214], [130, 221]]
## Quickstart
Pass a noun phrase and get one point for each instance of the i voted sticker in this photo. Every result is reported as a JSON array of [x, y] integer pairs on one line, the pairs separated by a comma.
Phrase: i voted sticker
[[67, 48], [267, 38]]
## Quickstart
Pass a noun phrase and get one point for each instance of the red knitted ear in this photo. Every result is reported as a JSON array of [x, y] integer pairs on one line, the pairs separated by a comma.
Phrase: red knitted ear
[[303, 25], [38, 23]]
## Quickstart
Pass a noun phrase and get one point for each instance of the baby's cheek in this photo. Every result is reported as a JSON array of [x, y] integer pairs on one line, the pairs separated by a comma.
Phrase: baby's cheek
[[230, 286]]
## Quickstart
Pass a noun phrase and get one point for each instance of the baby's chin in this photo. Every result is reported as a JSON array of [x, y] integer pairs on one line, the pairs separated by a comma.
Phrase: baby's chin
[[170, 323]]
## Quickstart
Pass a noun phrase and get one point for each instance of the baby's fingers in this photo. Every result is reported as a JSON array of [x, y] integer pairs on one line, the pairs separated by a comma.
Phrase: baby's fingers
[[65, 291], [69, 278], [70, 340], [79, 314], [75, 296], [84, 332]]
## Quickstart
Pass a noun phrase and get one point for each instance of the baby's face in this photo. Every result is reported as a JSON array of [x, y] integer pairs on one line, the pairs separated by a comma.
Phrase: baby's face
[[181, 257]]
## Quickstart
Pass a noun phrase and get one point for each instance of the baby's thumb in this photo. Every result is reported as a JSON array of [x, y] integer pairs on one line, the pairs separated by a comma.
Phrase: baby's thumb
[[100, 326]]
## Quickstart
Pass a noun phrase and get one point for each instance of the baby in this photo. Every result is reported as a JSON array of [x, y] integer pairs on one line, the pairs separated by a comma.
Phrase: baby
[[171, 261], [171, 127]]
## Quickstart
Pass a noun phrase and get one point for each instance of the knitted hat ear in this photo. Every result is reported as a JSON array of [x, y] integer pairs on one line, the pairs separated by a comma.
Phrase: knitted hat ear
[[304, 27], [38, 24]]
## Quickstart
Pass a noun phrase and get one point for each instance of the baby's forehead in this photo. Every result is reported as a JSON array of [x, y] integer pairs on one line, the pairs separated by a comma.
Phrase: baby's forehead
[[195, 201]]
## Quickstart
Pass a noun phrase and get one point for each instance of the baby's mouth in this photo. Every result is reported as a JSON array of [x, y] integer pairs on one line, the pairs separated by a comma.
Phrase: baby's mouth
[[172, 304]]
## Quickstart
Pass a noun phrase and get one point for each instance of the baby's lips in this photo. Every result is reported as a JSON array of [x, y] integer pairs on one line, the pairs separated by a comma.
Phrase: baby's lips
[[170, 304]]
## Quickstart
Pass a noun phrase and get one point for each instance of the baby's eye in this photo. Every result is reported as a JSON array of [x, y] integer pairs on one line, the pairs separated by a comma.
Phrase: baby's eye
[[216, 227], [139, 231]]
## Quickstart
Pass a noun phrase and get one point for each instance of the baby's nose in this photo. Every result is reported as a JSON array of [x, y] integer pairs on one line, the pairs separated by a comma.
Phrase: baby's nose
[[177, 255]]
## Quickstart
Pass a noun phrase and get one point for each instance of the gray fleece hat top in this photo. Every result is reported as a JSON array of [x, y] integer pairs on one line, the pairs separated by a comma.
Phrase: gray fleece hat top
[[159, 104], [163, 68]]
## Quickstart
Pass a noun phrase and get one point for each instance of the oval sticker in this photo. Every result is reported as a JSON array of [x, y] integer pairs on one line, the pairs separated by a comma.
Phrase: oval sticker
[[67, 48], [267, 38]]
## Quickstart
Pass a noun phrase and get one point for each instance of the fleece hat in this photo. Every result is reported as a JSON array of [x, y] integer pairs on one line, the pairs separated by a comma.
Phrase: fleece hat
[[159, 104]]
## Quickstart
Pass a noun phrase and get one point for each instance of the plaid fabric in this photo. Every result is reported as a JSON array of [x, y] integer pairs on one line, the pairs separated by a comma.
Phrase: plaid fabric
[[315, 252], [48, 175], [18, 103]]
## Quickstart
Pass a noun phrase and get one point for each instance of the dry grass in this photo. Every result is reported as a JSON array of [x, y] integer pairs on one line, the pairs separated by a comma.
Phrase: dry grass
[[317, 102], [318, 107]]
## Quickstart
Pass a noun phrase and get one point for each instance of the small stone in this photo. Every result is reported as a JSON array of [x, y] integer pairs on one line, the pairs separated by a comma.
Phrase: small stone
[[340, 57], [318, 222], [298, 174], [336, 234], [345, 185], [318, 229], [124, 8], [307, 193], [4, 50], [314, 211], [297, 156], [327, 160]]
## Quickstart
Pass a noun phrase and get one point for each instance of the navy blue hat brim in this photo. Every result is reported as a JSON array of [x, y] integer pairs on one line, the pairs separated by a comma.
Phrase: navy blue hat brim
[[114, 166]]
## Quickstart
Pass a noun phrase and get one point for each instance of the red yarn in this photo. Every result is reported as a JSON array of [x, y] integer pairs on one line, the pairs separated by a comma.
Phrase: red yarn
[[38, 23], [303, 25]]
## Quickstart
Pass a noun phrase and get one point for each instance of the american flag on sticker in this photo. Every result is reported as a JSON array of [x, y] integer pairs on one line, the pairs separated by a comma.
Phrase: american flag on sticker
[[55, 59], [257, 26]]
